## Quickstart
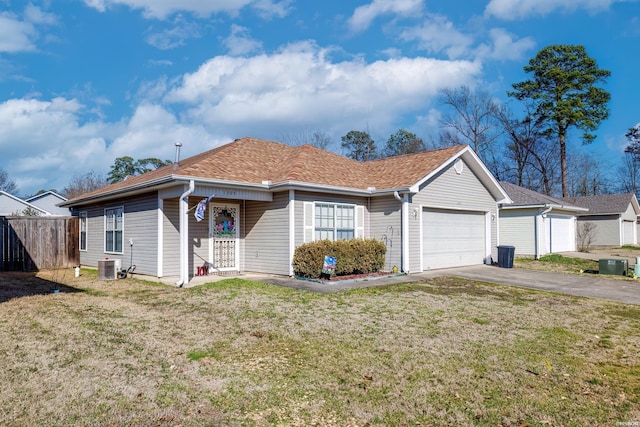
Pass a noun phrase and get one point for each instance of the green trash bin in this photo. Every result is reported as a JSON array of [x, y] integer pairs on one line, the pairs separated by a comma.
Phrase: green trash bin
[[505, 256]]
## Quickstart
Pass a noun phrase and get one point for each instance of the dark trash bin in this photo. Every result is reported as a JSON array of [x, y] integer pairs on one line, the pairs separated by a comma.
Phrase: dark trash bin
[[505, 256]]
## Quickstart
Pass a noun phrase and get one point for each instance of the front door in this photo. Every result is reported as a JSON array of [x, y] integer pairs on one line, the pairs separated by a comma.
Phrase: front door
[[223, 237]]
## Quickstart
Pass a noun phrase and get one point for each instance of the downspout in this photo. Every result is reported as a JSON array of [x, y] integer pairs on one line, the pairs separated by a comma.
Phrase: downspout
[[543, 215], [404, 257], [184, 235]]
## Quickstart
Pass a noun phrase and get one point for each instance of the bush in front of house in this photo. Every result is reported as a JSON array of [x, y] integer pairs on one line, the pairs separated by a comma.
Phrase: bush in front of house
[[355, 256]]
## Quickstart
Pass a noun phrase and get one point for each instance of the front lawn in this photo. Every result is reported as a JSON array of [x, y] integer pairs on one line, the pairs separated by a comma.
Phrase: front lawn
[[443, 352]]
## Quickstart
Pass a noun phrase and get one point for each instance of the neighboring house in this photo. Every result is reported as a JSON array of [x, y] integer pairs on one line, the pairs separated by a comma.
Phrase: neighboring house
[[537, 224], [14, 206], [432, 209], [613, 217], [49, 201]]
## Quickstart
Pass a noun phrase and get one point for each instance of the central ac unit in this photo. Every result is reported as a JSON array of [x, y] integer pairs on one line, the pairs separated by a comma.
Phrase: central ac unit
[[108, 269]]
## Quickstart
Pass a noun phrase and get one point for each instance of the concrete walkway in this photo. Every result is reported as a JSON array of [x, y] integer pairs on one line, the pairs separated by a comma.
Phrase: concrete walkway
[[584, 285]]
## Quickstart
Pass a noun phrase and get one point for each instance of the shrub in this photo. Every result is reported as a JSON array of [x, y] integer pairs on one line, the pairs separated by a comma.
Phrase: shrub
[[355, 256]]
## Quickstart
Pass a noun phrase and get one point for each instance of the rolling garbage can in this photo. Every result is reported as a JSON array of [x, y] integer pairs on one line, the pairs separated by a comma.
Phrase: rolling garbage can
[[505, 256]]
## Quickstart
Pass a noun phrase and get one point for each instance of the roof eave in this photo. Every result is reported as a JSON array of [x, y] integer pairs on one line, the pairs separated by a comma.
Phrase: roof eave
[[314, 187], [544, 205]]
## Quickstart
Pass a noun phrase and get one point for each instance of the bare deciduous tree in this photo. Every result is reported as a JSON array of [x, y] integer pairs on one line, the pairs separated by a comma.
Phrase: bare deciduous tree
[[81, 184], [471, 118], [7, 184], [585, 234]]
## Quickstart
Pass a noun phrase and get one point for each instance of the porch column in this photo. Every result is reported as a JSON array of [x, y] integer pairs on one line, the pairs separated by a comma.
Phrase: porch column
[[405, 233], [292, 229], [184, 235]]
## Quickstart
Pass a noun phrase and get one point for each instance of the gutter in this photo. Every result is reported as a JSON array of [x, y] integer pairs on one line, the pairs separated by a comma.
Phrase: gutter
[[184, 235]]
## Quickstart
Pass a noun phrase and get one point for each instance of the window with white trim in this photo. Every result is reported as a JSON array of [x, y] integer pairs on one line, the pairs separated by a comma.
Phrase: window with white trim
[[113, 229], [83, 230], [334, 222]]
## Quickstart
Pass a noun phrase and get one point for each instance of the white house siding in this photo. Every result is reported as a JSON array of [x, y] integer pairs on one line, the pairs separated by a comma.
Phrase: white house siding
[[450, 190], [9, 206], [140, 224], [606, 230], [385, 224], [48, 203], [266, 235], [171, 237], [517, 228]]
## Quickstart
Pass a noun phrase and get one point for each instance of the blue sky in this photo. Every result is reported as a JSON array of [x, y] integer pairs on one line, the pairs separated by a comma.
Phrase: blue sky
[[83, 82]]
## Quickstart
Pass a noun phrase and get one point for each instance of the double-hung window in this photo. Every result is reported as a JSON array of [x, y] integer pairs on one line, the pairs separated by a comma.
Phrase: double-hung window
[[83, 231], [114, 228], [334, 221]]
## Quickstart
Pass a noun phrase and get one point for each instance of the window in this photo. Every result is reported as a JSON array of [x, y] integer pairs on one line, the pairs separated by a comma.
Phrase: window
[[334, 222], [113, 218], [83, 231]]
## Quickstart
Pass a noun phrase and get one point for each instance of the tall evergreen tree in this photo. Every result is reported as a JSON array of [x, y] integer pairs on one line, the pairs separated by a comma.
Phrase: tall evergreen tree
[[564, 89]]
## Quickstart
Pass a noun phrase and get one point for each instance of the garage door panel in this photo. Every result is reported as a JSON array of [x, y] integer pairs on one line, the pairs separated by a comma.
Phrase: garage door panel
[[561, 235], [453, 238], [628, 230]]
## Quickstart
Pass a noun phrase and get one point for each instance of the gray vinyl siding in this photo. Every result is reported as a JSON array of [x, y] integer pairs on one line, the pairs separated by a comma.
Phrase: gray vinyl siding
[[198, 246], [451, 190], [607, 229], [171, 238], [518, 228], [139, 224], [266, 235], [386, 225]]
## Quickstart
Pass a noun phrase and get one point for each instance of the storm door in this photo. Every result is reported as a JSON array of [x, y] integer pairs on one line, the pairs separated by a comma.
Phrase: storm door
[[223, 236]]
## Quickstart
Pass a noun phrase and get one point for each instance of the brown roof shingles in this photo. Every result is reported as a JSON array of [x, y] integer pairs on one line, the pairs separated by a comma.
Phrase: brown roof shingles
[[252, 161]]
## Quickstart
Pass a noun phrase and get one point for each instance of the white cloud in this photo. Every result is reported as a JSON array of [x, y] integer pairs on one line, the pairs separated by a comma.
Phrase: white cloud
[[161, 9], [519, 9], [437, 34], [239, 41], [300, 86], [174, 37], [295, 89], [46, 143], [16, 35], [37, 16], [504, 46], [153, 131], [363, 16]]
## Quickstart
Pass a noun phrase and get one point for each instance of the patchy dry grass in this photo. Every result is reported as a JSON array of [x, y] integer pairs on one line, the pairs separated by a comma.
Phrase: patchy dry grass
[[443, 352]]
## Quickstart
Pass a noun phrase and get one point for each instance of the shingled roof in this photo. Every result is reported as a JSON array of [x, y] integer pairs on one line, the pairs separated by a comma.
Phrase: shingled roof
[[606, 204], [524, 197], [250, 161]]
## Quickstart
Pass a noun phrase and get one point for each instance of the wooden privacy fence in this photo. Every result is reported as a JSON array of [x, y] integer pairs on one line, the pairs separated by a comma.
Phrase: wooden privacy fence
[[38, 243]]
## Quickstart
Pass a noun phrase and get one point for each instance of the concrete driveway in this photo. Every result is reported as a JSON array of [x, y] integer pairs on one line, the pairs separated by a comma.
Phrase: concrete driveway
[[584, 285]]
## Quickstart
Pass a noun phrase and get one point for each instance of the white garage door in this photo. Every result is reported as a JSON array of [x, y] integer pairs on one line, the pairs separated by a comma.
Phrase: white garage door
[[561, 234], [453, 238], [627, 229]]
